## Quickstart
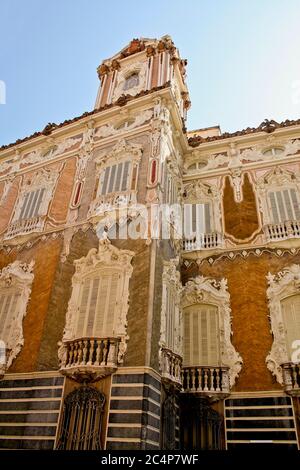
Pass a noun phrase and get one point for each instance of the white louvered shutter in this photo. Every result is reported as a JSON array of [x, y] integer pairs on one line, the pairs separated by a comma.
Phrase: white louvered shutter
[[291, 315], [284, 205], [32, 204], [98, 305], [9, 303], [201, 341]]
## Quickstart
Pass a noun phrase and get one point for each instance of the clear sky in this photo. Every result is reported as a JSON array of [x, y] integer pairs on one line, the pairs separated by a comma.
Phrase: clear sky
[[243, 57]]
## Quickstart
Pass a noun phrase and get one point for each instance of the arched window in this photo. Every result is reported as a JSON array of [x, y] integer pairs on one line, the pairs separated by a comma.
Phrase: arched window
[[81, 420], [273, 152]]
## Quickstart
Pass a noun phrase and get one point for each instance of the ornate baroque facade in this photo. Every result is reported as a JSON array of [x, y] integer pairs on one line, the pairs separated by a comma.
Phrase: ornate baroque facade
[[190, 340]]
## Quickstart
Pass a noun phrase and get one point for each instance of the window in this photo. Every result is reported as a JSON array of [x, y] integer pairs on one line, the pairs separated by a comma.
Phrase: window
[[131, 81], [32, 204], [99, 301], [197, 219], [273, 152], [290, 308], [98, 305], [197, 166], [15, 288], [283, 205], [115, 178], [9, 307], [201, 345]]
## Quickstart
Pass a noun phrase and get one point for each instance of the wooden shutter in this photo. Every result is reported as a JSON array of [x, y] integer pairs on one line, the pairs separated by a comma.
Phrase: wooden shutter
[[83, 307], [295, 204], [9, 302], [118, 177], [104, 180], [98, 301], [125, 177], [111, 185], [31, 204], [291, 315], [274, 211], [201, 341]]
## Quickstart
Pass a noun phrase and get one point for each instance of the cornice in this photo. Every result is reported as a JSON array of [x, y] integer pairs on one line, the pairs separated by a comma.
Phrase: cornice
[[54, 130]]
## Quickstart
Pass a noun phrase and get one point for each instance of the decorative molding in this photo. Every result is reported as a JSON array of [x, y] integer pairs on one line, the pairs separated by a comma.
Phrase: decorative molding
[[206, 290], [18, 276], [121, 150], [107, 258], [276, 179], [109, 129], [138, 67], [244, 254], [281, 285]]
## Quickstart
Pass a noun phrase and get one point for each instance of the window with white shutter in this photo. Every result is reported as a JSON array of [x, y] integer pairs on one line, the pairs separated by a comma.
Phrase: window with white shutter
[[97, 311], [284, 205], [197, 219], [32, 204], [201, 335], [115, 178], [9, 304], [290, 307]]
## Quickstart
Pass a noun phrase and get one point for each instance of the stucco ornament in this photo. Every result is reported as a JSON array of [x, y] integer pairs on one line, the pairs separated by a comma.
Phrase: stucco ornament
[[17, 277], [139, 68], [281, 285], [206, 290], [109, 129], [107, 258]]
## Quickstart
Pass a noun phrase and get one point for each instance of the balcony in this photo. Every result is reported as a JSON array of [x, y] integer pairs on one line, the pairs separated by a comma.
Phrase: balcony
[[24, 227], [203, 241], [291, 378], [282, 231], [170, 367], [89, 359], [212, 382]]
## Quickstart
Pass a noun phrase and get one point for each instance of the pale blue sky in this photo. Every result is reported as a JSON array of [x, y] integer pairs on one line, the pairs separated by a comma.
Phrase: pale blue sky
[[243, 57]]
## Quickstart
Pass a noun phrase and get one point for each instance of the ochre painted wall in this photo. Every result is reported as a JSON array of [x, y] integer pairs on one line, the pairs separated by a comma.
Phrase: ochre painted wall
[[46, 255], [247, 285], [240, 218]]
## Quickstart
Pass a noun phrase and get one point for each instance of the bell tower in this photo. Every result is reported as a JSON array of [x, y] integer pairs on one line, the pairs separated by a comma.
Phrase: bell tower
[[143, 65]]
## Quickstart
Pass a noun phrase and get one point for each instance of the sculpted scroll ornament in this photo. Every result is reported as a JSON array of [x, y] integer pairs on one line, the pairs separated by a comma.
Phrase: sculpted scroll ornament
[[281, 285], [106, 257], [202, 289], [108, 129], [18, 276]]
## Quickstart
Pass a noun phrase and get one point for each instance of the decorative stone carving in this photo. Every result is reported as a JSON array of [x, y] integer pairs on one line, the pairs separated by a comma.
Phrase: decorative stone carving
[[121, 150], [108, 129], [106, 258], [139, 68], [44, 178], [281, 285], [18, 276], [206, 290]]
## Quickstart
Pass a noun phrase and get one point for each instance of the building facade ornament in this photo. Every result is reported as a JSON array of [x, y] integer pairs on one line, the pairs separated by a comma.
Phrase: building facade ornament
[[281, 285], [206, 290], [139, 68], [106, 258], [109, 129], [18, 276]]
